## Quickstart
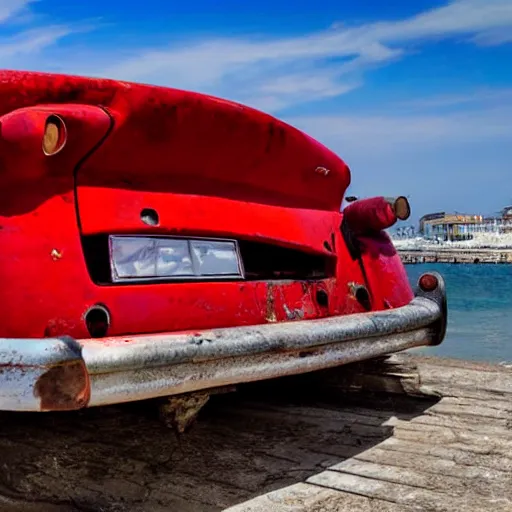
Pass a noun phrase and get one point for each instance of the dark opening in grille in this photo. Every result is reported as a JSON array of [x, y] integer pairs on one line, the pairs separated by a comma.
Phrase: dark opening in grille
[[261, 261], [267, 261], [97, 258]]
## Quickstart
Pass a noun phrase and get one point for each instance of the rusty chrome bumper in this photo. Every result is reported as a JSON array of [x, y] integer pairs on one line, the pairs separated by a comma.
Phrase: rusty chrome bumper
[[66, 374]]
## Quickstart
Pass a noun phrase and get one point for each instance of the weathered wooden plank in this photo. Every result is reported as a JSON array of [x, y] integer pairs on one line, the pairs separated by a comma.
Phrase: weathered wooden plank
[[488, 402], [380, 425], [313, 498], [393, 474], [452, 438], [315, 415], [416, 497], [420, 475], [442, 434], [485, 479], [446, 417], [451, 453], [452, 377], [417, 376], [475, 411], [460, 456]]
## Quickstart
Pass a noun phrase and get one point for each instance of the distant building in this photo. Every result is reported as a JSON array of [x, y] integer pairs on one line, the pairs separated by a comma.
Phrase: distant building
[[450, 226], [426, 220], [460, 226], [506, 213]]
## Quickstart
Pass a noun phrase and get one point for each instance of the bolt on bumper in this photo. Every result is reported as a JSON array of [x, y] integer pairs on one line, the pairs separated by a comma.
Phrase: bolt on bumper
[[51, 374]]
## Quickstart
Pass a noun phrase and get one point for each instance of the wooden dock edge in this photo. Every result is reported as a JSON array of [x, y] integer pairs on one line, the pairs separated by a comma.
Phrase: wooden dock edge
[[456, 456]]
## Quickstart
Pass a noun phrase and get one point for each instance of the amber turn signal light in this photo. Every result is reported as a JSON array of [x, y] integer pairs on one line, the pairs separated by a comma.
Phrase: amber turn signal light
[[54, 138]]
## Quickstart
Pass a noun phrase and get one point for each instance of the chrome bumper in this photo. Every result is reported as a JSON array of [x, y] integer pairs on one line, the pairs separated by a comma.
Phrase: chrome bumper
[[51, 374]]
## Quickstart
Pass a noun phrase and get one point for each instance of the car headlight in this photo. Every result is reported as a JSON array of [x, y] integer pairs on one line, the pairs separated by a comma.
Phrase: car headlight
[[161, 258]]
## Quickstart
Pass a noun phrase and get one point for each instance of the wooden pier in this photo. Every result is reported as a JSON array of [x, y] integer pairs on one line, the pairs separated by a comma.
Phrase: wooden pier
[[402, 434], [456, 255], [453, 452]]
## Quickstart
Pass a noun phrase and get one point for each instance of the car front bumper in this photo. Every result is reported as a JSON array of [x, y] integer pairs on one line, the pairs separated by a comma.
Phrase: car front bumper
[[51, 374]]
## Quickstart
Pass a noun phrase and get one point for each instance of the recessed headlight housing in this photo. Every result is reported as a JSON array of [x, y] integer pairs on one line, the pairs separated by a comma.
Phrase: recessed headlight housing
[[140, 258]]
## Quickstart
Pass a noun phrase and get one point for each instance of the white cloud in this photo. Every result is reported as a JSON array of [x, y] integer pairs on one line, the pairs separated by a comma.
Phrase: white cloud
[[22, 44], [494, 37], [411, 133], [455, 160], [11, 8], [31, 42], [255, 70], [267, 72], [479, 97], [459, 17]]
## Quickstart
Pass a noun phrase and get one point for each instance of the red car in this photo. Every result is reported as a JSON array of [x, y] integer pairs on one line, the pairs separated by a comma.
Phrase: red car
[[157, 242]]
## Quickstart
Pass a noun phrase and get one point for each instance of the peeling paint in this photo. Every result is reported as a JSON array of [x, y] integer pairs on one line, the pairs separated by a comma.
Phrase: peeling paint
[[295, 314], [271, 305], [56, 254], [352, 286], [360, 293]]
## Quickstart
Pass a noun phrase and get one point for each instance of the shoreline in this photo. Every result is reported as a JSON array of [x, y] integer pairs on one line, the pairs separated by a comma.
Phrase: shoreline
[[455, 255]]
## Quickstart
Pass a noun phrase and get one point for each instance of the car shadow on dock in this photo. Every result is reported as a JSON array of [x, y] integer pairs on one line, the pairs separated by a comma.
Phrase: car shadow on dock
[[264, 437]]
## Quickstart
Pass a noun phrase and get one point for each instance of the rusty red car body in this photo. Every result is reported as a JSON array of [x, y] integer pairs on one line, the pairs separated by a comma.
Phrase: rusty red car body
[[206, 168]]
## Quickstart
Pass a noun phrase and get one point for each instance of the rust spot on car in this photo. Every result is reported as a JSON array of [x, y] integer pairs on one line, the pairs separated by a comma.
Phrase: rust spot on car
[[360, 293], [64, 388], [293, 314], [58, 327], [308, 353], [322, 171], [56, 254], [271, 305]]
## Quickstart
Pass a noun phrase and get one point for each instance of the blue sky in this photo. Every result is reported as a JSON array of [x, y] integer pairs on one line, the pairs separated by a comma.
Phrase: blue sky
[[416, 96]]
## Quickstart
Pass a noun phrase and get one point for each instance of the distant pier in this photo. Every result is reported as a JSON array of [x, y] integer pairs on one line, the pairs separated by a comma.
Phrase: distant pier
[[444, 255]]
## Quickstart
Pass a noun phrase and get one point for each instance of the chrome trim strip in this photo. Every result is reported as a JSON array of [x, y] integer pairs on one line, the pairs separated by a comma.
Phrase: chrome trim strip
[[159, 381], [117, 354]]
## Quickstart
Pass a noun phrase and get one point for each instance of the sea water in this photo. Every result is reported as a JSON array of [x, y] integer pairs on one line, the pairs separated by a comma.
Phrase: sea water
[[479, 310]]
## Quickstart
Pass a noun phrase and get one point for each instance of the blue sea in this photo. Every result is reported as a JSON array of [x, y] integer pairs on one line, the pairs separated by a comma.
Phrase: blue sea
[[479, 311]]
